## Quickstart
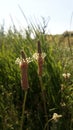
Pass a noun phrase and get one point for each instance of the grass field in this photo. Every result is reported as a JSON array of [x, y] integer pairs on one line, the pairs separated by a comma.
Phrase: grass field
[[48, 102]]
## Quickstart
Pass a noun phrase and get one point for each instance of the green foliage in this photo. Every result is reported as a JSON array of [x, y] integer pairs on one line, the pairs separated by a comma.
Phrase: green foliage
[[58, 91]]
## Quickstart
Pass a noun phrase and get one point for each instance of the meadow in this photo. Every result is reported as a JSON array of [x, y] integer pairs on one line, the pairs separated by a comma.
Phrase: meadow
[[48, 102]]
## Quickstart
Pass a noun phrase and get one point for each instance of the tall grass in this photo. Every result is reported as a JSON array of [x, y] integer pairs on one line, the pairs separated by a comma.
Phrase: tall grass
[[58, 92]]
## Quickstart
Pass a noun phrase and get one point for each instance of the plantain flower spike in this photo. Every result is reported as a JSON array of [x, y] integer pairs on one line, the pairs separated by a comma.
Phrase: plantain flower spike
[[23, 64], [24, 72], [40, 59], [39, 56], [39, 47]]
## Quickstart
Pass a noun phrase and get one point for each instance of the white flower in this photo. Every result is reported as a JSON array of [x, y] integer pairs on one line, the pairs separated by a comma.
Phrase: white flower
[[19, 60], [55, 116], [35, 56], [63, 104], [66, 75], [43, 55], [29, 60]]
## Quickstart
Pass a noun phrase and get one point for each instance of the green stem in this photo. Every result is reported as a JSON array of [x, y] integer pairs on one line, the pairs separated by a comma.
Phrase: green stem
[[47, 123], [44, 101], [23, 111]]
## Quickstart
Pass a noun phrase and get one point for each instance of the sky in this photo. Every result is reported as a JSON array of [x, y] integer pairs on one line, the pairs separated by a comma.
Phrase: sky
[[59, 14]]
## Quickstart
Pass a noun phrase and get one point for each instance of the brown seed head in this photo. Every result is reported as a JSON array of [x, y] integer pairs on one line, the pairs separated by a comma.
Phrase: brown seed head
[[23, 55], [39, 47], [24, 71], [24, 75], [40, 65]]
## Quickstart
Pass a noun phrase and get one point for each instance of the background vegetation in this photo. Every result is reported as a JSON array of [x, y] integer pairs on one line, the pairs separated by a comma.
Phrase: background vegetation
[[58, 88]]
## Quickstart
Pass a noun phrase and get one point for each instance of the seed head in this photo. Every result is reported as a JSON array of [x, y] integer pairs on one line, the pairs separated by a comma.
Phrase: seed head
[[24, 71], [23, 64], [39, 56], [24, 75], [23, 55], [39, 47]]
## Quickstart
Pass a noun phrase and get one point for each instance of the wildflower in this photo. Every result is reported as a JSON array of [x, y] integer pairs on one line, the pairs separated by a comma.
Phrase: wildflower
[[66, 75], [40, 59], [39, 56], [19, 60], [23, 63], [36, 55], [55, 117], [62, 87], [63, 104]]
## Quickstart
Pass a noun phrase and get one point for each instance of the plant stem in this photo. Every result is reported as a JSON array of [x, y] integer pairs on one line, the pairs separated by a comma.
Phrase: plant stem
[[23, 110], [44, 101], [47, 123]]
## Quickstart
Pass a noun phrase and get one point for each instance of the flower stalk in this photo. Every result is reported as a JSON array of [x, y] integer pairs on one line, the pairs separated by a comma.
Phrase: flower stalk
[[23, 111], [40, 70], [40, 60], [24, 84]]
